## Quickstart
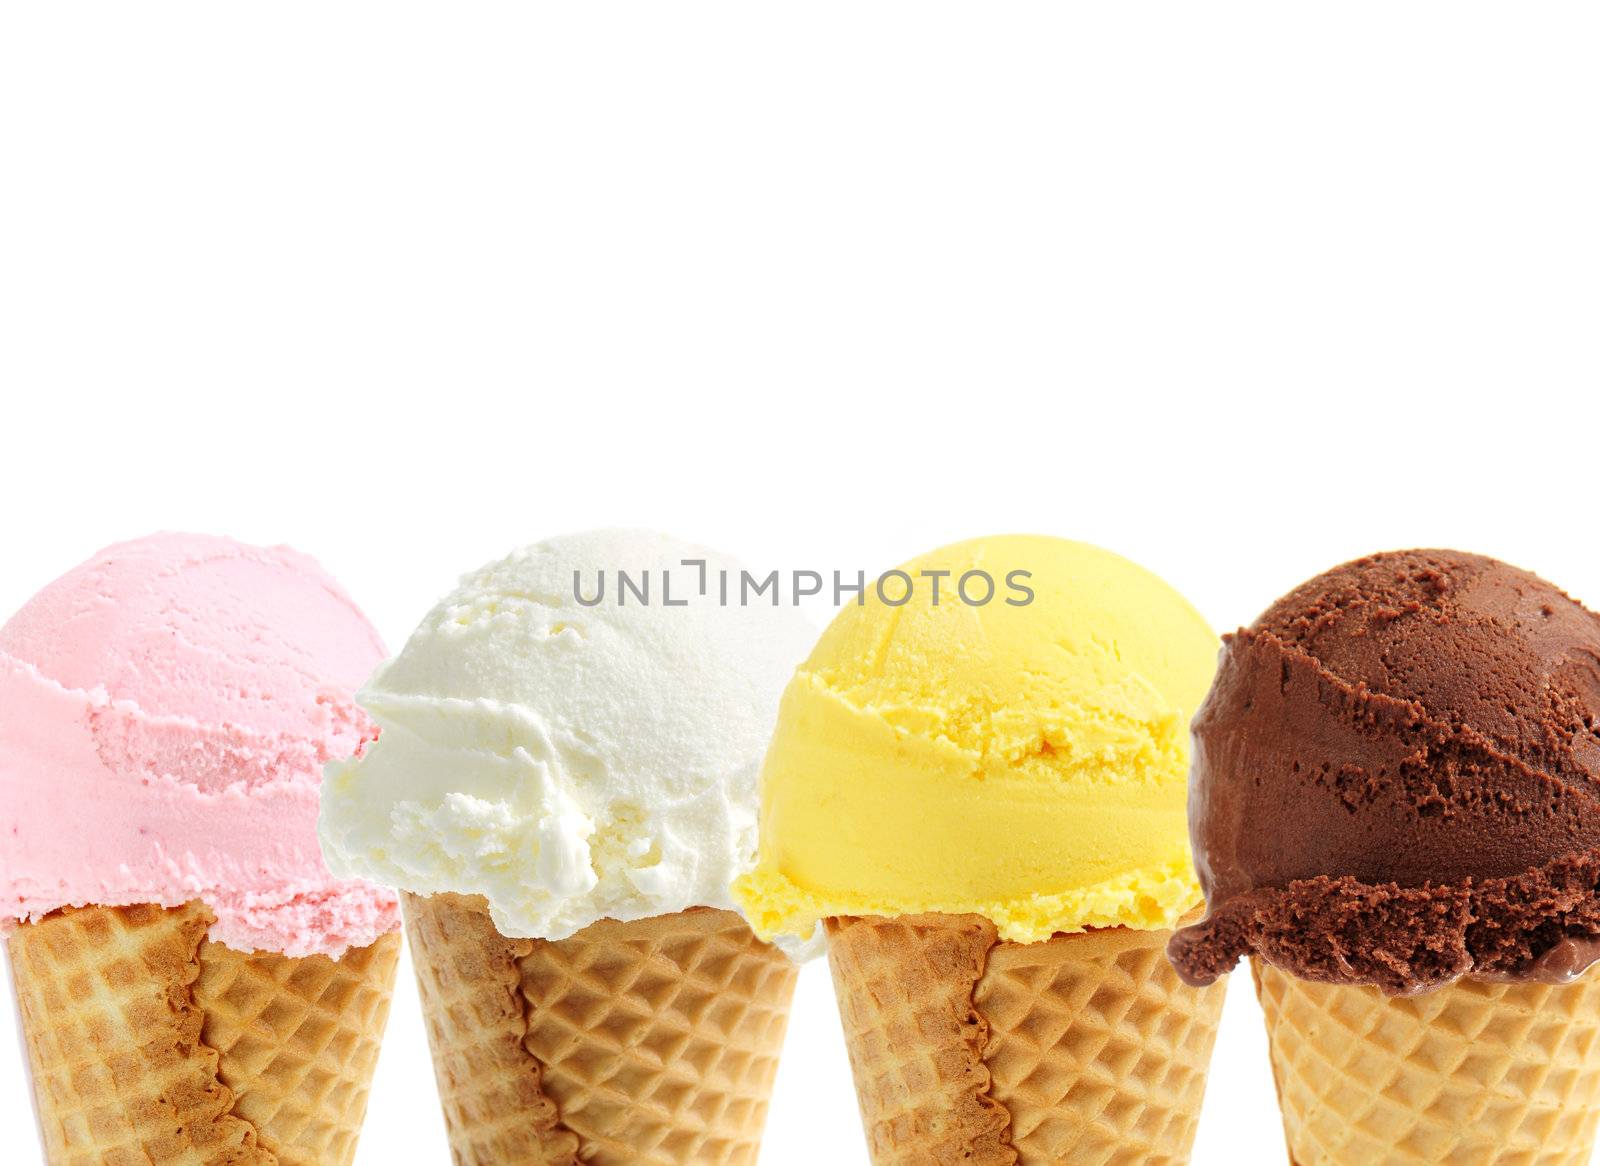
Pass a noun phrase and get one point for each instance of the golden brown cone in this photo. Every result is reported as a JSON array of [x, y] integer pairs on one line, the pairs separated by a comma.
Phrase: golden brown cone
[[1471, 1074], [148, 1043], [495, 1107], [653, 1042], [1083, 1049]]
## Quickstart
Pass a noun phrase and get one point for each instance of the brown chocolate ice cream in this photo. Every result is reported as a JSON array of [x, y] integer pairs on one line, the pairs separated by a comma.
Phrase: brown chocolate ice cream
[[1397, 780]]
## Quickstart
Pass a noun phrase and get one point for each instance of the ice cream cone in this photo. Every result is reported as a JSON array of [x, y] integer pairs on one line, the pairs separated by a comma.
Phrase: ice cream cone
[[149, 1043], [1471, 1074], [1082, 1048], [653, 1042]]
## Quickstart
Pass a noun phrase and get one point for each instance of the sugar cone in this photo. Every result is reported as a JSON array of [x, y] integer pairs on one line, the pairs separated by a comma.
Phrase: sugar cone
[[1471, 1074], [149, 1044], [1083, 1049], [652, 1043]]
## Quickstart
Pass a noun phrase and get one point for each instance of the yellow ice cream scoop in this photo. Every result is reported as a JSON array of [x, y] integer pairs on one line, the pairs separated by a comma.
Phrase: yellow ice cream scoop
[[1023, 758]]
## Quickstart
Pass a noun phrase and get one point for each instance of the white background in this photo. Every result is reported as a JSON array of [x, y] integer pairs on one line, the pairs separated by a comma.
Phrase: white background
[[1240, 290]]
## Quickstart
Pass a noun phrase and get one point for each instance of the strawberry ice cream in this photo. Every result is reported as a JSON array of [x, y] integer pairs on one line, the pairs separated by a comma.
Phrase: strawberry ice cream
[[165, 713]]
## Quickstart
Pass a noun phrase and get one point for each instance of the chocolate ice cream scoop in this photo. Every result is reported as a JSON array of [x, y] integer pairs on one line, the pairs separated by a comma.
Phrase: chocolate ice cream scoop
[[1396, 780]]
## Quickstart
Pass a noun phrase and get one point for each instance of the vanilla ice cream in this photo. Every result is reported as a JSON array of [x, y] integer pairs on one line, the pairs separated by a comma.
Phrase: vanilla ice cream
[[570, 762]]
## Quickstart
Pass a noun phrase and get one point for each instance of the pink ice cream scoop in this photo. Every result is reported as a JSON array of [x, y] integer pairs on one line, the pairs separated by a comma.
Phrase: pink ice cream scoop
[[165, 713]]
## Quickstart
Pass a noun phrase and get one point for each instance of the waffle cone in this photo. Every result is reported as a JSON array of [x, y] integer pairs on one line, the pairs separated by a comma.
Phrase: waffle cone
[[653, 1042], [150, 1044], [1083, 1049], [1470, 1074]]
